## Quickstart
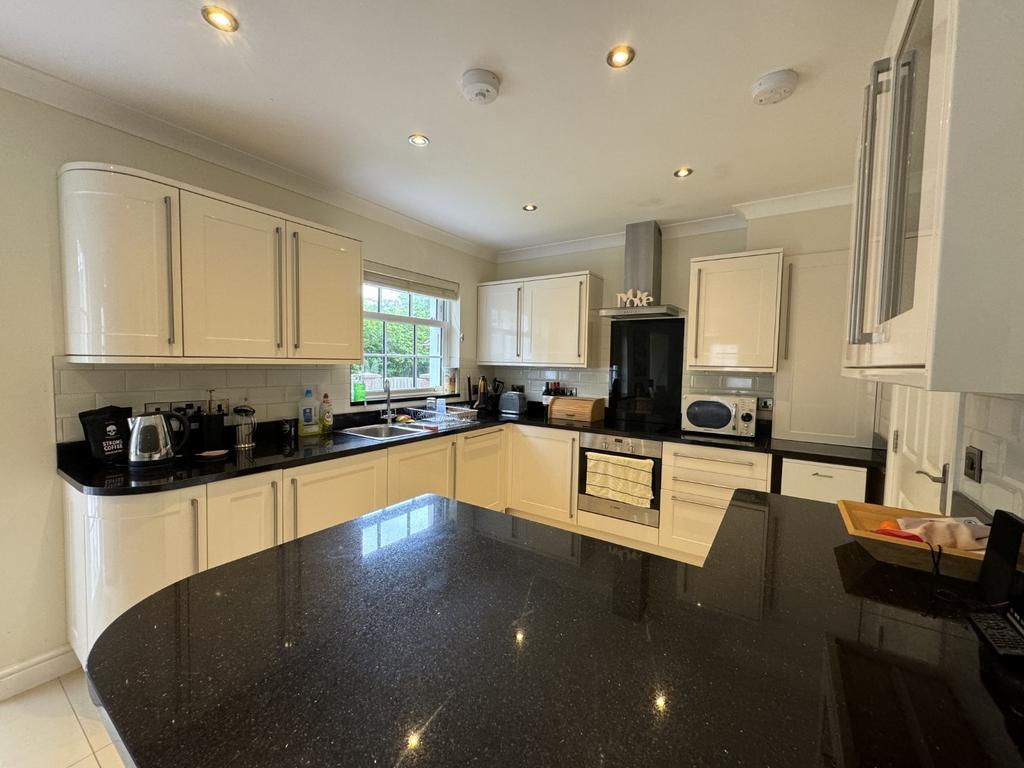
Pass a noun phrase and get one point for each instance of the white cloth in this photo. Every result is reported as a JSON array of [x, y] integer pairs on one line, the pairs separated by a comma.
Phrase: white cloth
[[620, 478], [966, 533]]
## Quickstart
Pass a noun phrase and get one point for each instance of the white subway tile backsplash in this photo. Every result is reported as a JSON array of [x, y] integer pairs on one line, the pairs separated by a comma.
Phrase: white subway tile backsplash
[[995, 424], [284, 377], [248, 378], [72, 405], [204, 378], [151, 380], [80, 382]]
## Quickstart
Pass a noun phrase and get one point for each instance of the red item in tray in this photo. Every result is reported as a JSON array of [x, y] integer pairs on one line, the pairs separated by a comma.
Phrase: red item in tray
[[898, 534]]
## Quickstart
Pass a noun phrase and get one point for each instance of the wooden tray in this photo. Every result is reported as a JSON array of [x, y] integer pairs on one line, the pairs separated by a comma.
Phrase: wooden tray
[[861, 521], [576, 408]]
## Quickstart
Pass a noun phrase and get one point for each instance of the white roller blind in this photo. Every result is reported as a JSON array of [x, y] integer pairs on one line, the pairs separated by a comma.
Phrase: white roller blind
[[402, 279]]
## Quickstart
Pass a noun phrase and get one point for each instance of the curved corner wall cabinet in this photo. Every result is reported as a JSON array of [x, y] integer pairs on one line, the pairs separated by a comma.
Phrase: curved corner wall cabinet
[[157, 271], [549, 320], [935, 271]]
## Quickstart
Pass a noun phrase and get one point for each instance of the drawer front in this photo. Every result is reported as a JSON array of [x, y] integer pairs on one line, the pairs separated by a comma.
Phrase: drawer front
[[624, 528], [691, 482], [719, 461], [823, 482], [686, 519]]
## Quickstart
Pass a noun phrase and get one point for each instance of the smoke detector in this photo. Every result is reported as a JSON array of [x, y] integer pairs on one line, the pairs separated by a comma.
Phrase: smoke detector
[[480, 86], [774, 87]]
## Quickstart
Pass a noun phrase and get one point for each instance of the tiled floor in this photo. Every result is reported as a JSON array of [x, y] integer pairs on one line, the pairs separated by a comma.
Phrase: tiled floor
[[55, 726]]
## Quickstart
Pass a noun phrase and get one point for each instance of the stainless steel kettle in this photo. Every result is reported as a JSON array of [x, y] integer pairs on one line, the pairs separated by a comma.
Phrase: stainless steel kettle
[[152, 440]]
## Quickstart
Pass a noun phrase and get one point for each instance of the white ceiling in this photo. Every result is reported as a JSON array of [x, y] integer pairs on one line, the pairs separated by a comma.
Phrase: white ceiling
[[332, 89]]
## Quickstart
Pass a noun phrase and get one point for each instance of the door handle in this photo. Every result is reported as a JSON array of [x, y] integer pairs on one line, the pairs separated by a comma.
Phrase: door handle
[[789, 309], [170, 268], [519, 321], [195, 536], [295, 289], [941, 480], [696, 320], [579, 325], [273, 487], [279, 289]]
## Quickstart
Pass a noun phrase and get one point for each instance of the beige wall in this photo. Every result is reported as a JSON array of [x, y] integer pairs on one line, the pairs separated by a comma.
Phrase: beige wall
[[35, 140]]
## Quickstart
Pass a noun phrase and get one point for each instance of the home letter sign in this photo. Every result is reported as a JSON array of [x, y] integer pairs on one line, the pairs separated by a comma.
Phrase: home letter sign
[[634, 298]]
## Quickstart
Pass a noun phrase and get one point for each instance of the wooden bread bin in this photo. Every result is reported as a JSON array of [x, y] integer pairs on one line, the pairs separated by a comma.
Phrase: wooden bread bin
[[576, 408], [862, 519]]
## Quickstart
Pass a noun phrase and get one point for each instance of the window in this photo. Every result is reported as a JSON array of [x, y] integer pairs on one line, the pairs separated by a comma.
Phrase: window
[[404, 340]]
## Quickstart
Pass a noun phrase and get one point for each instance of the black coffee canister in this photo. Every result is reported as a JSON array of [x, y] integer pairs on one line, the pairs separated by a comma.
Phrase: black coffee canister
[[106, 430]]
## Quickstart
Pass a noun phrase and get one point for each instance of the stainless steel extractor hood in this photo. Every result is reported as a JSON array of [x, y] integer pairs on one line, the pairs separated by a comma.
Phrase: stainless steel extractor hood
[[642, 290]]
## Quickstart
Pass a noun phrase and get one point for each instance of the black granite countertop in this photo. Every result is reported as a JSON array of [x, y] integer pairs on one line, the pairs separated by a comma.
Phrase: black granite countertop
[[435, 633], [76, 465]]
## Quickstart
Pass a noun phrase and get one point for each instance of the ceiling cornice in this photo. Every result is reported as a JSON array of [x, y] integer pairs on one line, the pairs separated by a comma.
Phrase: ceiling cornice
[[804, 201], [68, 97]]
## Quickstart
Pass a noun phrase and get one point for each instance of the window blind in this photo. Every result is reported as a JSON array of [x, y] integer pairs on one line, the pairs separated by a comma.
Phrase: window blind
[[402, 279]]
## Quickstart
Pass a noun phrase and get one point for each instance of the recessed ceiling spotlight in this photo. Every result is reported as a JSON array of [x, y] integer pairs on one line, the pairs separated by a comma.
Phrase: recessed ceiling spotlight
[[218, 18], [530, 207], [620, 56], [418, 140], [683, 172]]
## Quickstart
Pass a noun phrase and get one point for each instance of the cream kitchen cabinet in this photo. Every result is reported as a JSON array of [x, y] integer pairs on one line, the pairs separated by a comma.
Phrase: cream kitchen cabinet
[[232, 267], [122, 268], [481, 463], [823, 482], [218, 280], [549, 320], [122, 549], [320, 495], [244, 515], [814, 402], [935, 273], [542, 471], [734, 311], [426, 466]]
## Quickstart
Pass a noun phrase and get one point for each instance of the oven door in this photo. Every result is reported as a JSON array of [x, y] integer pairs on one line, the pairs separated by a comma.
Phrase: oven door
[[649, 516]]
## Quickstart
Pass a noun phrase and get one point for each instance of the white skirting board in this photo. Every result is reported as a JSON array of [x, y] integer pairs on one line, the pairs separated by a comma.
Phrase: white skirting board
[[45, 667]]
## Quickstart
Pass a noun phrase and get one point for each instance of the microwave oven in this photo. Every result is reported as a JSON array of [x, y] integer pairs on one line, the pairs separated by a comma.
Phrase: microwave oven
[[731, 415]]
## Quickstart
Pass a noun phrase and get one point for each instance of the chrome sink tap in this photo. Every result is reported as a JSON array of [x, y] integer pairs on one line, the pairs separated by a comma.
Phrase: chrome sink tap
[[388, 415]]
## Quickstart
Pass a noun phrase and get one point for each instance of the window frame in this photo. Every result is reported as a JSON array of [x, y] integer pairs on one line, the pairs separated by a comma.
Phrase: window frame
[[444, 324]]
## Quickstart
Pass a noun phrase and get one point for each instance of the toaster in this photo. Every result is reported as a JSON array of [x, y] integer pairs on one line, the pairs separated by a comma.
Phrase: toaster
[[512, 403]]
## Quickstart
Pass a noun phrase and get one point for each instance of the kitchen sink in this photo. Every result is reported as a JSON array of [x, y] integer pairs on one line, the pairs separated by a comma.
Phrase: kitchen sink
[[386, 431]]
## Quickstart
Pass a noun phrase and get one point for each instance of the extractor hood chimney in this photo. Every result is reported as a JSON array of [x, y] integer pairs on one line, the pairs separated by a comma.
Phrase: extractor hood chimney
[[642, 291]]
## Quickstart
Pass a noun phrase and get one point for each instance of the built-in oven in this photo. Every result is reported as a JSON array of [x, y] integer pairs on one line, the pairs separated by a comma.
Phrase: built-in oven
[[627, 490], [731, 415]]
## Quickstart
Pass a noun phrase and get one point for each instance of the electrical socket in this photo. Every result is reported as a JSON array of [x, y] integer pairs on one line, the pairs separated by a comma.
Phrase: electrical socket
[[972, 463], [765, 403]]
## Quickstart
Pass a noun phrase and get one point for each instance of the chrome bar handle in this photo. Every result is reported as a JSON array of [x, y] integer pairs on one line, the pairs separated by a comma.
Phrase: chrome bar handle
[[519, 322], [696, 319], [698, 503], [720, 461], [942, 480], [701, 482], [279, 289], [169, 220], [195, 535], [789, 309], [823, 475], [277, 524], [579, 324], [295, 288], [295, 508]]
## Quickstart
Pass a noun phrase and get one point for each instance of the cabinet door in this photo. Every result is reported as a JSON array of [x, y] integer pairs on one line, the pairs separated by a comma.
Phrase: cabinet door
[[499, 325], [813, 401], [243, 516], [232, 275], [321, 495], [689, 523], [543, 471], [823, 482], [734, 311], [424, 467], [555, 321], [122, 268], [324, 276], [137, 545], [480, 476]]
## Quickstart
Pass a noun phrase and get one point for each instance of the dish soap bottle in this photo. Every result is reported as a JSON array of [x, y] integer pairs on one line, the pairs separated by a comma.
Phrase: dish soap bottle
[[326, 415], [309, 424]]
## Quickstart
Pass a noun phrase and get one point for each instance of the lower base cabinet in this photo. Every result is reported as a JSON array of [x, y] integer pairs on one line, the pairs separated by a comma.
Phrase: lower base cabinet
[[482, 478], [121, 549], [542, 467], [823, 482], [243, 516], [321, 495], [427, 466]]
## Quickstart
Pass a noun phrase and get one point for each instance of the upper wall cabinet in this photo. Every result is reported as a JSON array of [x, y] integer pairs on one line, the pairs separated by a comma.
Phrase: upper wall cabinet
[[215, 280], [935, 272], [734, 311], [547, 320], [122, 267]]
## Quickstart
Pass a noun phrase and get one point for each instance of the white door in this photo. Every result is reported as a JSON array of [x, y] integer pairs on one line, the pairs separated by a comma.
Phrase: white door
[[137, 545], [923, 431], [734, 311], [499, 326], [232, 276], [555, 321], [427, 466], [542, 467], [814, 402], [480, 476], [243, 515], [324, 277], [318, 496], [122, 267]]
